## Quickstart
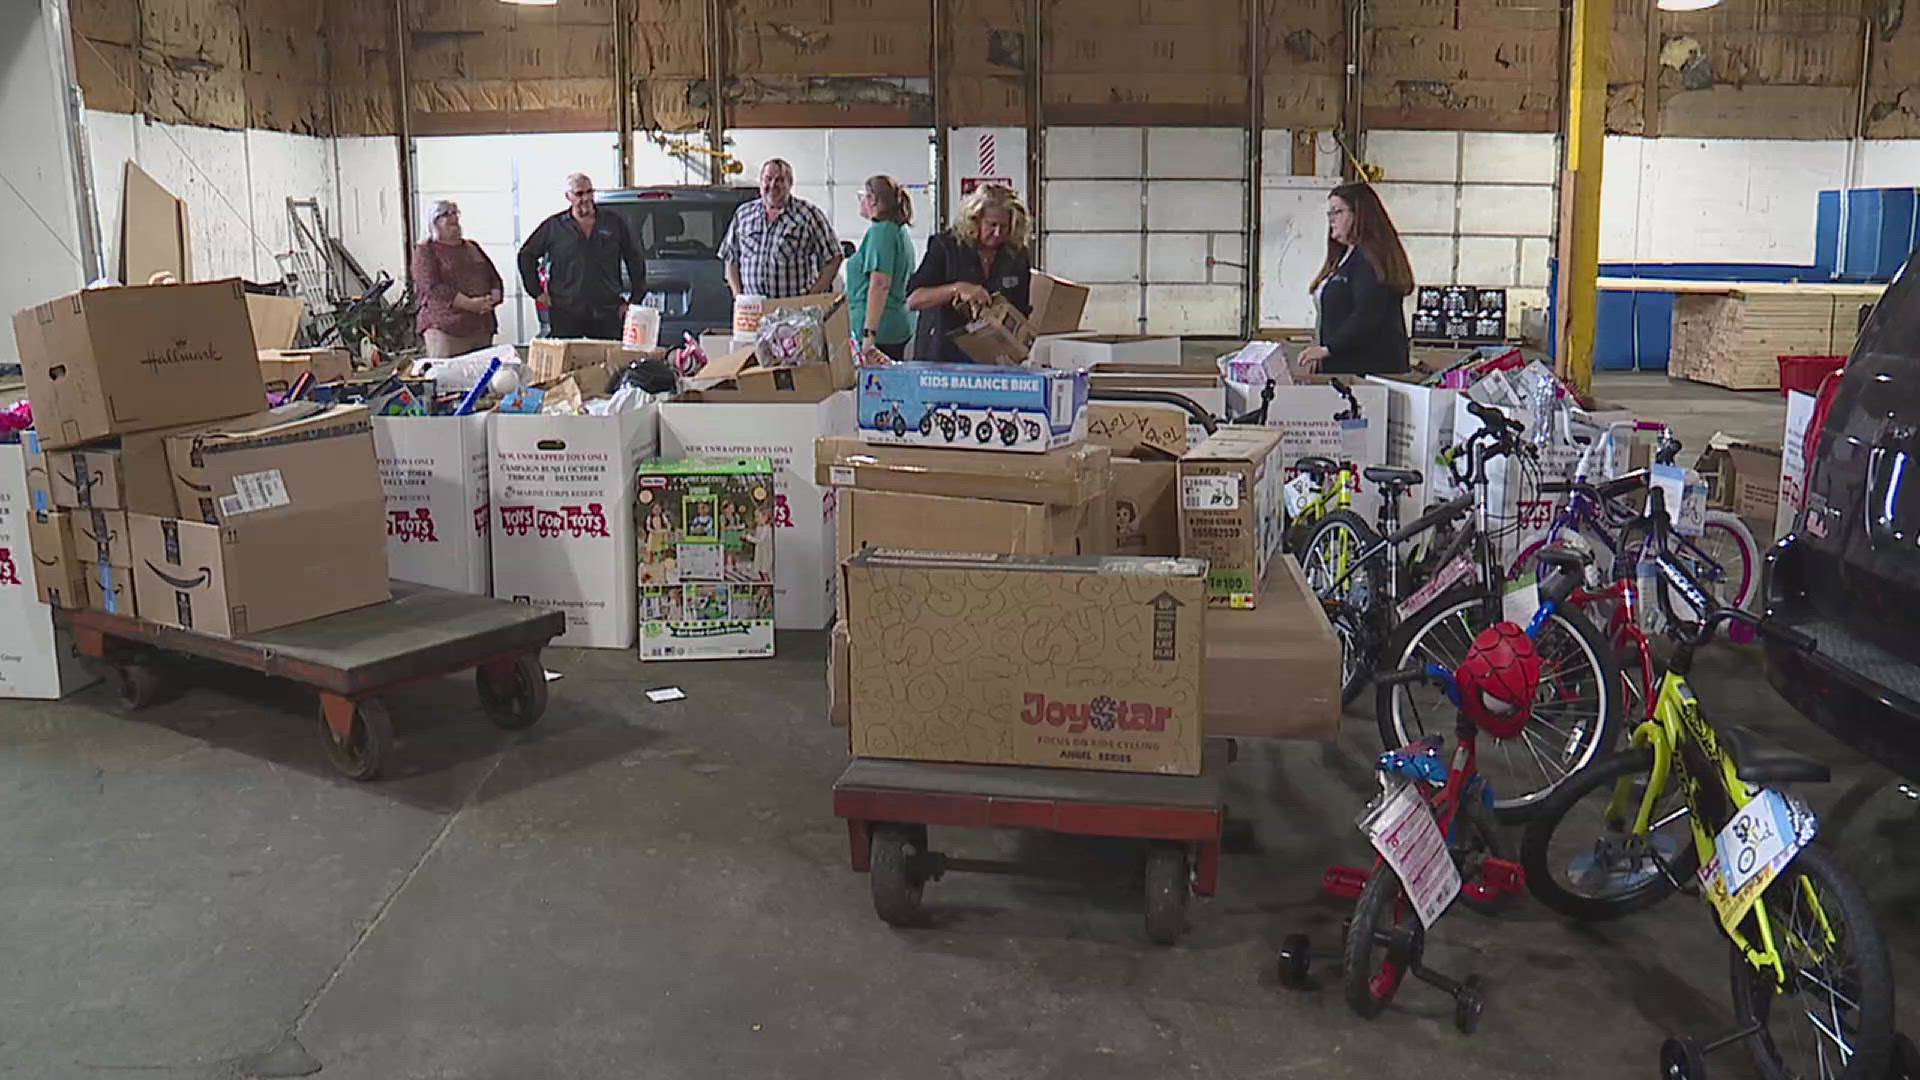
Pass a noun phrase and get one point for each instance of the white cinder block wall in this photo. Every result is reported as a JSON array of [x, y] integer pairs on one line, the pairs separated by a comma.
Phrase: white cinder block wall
[[235, 184]]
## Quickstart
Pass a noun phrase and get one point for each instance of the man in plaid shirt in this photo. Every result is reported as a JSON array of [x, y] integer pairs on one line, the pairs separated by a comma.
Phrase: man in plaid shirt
[[779, 245]]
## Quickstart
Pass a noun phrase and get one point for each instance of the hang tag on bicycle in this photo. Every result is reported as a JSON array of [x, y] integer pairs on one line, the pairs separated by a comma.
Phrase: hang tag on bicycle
[[1297, 493], [1401, 828], [1751, 851], [1520, 601], [1685, 493]]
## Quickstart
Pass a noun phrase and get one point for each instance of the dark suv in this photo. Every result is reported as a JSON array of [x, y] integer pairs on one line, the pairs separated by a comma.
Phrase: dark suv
[[679, 230], [1849, 573]]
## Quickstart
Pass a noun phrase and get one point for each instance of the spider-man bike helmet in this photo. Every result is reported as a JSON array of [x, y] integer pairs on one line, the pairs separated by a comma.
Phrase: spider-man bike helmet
[[1498, 679]]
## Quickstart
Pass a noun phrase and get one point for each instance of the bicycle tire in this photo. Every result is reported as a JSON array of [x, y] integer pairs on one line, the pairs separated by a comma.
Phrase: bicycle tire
[[1536, 845], [1364, 975], [1357, 649], [1594, 734], [1870, 980]]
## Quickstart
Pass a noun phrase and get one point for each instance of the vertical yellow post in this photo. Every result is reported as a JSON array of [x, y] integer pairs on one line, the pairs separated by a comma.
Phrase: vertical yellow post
[[1578, 296]]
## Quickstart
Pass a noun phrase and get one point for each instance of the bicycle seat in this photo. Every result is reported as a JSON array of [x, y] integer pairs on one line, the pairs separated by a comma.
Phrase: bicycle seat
[[1317, 467], [1760, 761], [1389, 476]]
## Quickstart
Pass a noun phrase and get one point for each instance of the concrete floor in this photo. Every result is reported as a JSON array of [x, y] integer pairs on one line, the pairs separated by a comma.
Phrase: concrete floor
[[639, 890]]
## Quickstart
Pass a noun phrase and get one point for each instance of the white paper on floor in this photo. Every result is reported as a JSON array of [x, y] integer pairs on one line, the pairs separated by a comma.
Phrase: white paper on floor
[[665, 694]]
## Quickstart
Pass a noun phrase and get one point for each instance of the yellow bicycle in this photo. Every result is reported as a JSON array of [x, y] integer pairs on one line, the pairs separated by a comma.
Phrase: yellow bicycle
[[1321, 486], [1812, 985]]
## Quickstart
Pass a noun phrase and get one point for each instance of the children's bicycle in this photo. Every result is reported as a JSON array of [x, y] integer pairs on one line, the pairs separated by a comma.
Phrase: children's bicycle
[[1321, 486], [1811, 982], [1434, 828], [1724, 556]]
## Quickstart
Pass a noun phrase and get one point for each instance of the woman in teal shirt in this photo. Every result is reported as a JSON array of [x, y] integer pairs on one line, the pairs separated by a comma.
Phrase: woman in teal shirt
[[877, 274]]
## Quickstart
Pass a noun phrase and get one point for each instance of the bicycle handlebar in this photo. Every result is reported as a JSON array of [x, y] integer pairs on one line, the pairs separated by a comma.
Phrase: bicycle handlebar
[[1785, 635]]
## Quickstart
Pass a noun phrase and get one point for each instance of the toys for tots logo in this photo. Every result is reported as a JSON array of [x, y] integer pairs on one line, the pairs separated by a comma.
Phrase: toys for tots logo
[[9, 573], [573, 522], [411, 525], [1101, 714]]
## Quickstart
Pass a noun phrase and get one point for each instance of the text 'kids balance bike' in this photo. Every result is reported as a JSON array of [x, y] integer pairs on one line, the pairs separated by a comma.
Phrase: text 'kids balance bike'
[[1433, 827]]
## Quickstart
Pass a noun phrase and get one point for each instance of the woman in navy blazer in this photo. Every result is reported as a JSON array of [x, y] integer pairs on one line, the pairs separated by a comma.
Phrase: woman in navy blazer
[[1363, 326]]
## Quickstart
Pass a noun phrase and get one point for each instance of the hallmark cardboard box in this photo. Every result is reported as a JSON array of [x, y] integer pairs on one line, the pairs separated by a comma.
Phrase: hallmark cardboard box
[[434, 474], [803, 507], [550, 358], [1070, 476], [105, 362], [37, 660], [706, 558], [1230, 510], [561, 489], [1082, 663], [973, 406]]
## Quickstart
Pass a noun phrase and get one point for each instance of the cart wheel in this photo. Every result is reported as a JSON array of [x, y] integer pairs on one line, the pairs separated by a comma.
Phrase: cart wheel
[[1468, 1004], [515, 700], [1167, 886], [366, 750], [896, 883], [1296, 961], [138, 685], [1681, 1059]]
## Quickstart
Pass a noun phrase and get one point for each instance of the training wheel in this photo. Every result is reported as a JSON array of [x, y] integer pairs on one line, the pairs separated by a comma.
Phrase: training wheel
[[1682, 1059], [1166, 885], [1469, 1003], [1296, 961]]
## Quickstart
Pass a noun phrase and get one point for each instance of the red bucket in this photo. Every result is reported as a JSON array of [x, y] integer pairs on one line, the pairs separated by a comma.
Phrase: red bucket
[[1805, 373]]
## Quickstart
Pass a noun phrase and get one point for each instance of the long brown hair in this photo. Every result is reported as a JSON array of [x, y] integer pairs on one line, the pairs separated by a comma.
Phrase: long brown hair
[[1374, 235], [890, 201]]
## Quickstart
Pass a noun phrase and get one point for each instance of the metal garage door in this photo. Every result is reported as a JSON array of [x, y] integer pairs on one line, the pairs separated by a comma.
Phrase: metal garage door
[[1138, 213]]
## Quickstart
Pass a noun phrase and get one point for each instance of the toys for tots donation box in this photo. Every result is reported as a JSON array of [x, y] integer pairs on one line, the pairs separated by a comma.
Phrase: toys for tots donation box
[[706, 558]]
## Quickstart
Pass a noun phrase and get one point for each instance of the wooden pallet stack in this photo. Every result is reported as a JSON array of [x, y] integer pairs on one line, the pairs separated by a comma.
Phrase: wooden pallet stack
[[1733, 334]]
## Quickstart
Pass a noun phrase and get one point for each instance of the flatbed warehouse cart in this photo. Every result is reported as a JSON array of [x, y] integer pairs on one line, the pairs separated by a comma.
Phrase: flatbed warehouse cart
[[352, 658], [888, 806]]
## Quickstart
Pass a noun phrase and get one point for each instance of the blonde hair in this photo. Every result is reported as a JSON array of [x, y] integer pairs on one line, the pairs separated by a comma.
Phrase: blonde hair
[[992, 197]]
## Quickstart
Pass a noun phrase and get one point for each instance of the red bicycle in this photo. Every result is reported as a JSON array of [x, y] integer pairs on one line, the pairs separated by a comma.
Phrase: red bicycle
[[1433, 822]]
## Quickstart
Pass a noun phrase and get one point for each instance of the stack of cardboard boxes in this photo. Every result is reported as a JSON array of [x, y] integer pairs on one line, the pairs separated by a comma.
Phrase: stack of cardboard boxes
[[157, 484]]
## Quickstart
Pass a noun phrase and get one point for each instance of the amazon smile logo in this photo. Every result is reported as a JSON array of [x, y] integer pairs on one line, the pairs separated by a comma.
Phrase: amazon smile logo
[[198, 581]]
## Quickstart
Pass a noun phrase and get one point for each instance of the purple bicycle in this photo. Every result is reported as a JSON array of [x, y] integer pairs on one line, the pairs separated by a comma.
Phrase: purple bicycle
[[1723, 558]]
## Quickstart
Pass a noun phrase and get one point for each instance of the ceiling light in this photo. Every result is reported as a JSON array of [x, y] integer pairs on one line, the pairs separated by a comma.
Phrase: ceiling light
[[556, 3], [1686, 5]]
